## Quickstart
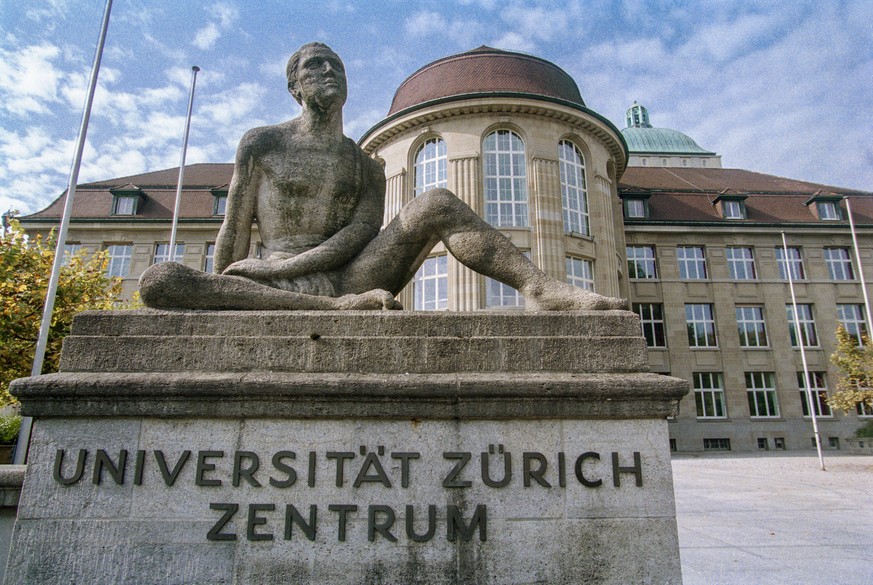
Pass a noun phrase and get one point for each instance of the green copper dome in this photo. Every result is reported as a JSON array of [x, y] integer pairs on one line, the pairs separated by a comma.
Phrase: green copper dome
[[642, 138]]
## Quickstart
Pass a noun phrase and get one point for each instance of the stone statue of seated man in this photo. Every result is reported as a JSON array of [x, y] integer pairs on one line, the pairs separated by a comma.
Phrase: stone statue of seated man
[[319, 201]]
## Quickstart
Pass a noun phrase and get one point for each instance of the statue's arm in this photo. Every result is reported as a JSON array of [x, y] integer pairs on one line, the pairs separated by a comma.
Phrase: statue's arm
[[235, 234], [349, 241]]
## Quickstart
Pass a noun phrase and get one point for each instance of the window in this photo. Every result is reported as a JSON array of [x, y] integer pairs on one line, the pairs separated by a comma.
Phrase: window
[[701, 325], [828, 211], [430, 166], [807, 325], [505, 180], [763, 444], [124, 205], [716, 444], [636, 208], [839, 263], [793, 261], [119, 259], [833, 442], [71, 250], [501, 295], [431, 285], [219, 204], [208, 262], [750, 325], [851, 317], [574, 192], [733, 209], [692, 262], [819, 390], [580, 272], [864, 409], [709, 395], [741, 263], [652, 323], [641, 262], [761, 391], [162, 253]]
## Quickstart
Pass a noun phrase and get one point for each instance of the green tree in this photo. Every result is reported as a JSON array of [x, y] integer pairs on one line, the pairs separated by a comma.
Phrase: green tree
[[25, 268], [855, 386]]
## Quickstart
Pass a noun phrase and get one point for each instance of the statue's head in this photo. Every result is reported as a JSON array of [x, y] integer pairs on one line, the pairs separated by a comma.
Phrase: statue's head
[[315, 72]]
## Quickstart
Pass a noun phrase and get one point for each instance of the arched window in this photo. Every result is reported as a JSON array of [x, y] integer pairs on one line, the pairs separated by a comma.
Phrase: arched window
[[430, 165], [505, 180], [574, 193]]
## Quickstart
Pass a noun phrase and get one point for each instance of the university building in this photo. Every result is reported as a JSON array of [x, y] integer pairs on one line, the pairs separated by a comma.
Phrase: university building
[[642, 212]]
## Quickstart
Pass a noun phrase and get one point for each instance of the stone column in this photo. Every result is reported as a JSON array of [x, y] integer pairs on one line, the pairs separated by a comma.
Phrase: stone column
[[395, 195], [547, 246], [603, 213], [465, 291]]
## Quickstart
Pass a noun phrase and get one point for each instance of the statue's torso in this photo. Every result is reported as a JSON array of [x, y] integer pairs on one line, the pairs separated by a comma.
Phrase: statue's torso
[[307, 189]]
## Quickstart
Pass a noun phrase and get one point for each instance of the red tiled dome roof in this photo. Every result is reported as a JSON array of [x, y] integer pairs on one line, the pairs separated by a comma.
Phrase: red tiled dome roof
[[485, 70]]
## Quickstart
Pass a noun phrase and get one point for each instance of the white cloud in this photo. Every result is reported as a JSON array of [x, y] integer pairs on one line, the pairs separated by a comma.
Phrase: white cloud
[[537, 23], [206, 36], [29, 79], [513, 41], [224, 16]]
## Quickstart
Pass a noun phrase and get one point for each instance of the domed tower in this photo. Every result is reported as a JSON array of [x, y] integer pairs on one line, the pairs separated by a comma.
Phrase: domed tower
[[509, 134], [662, 147]]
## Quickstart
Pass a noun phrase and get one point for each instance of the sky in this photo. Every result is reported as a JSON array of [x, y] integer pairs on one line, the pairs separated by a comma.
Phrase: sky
[[783, 87]]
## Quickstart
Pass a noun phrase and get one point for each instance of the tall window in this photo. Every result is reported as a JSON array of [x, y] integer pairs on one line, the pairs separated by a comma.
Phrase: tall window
[[709, 395], [701, 325], [580, 272], [641, 262], [741, 263], [839, 263], [692, 262], [574, 193], [806, 322], [652, 323], [162, 253], [431, 285], [819, 390], [793, 262], [430, 165], [505, 180], [851, 317], [119, 259], [761, 391], [208, 262], [750, 325]]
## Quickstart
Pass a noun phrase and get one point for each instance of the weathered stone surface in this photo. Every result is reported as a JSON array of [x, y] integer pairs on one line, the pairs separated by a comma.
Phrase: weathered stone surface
[[319, 201], [586, 497], [558, 534]]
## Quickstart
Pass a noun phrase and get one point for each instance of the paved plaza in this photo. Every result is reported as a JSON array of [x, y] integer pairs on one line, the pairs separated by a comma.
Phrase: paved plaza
[[775, 519]]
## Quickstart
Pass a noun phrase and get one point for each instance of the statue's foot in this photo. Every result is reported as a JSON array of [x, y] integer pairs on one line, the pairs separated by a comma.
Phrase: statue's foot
[[371, 300], [554, 295]]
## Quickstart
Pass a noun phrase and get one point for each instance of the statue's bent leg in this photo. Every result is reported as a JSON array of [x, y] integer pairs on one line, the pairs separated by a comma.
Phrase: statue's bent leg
[[170, 285], [392, 258]]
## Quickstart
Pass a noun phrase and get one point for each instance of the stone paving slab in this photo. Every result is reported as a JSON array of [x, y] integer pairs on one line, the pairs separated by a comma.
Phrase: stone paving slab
[[775, 519]]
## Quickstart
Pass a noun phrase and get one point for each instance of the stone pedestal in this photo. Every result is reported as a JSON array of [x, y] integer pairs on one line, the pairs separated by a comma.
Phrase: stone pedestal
[[392, 447]]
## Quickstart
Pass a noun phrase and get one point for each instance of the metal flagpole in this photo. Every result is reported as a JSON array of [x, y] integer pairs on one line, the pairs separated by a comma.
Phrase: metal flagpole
[[172, 253], [800, 343], [27, 422], [860, 268]]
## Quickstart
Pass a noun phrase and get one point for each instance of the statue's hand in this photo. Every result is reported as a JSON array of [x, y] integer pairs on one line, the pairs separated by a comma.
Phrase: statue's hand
[[250, 268]]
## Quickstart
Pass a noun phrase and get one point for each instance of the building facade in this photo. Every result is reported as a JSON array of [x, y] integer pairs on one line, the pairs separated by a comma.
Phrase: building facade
[[643, 213]]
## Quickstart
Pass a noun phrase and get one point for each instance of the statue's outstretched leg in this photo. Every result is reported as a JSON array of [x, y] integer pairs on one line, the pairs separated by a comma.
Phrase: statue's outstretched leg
[[170, 285], [392, 258]]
